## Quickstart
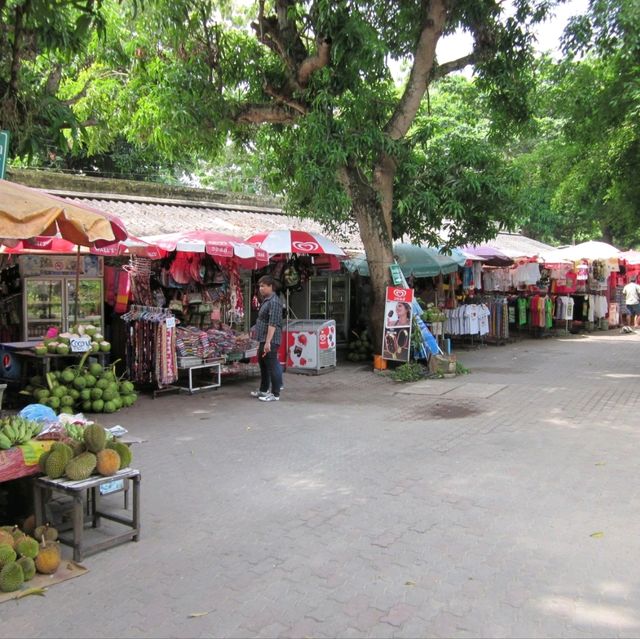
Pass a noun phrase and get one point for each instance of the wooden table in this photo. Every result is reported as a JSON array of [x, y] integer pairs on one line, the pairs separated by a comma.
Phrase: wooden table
[[90, 491]]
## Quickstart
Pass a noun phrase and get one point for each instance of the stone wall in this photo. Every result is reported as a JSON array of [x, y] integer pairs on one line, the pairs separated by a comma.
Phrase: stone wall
[[85, 184]]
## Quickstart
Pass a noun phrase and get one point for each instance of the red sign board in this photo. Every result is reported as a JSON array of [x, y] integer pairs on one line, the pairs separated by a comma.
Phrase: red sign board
[[396, 339]]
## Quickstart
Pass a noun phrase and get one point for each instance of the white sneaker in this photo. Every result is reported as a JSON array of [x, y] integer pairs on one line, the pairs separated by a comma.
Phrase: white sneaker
[[269, 397], [258, 393]]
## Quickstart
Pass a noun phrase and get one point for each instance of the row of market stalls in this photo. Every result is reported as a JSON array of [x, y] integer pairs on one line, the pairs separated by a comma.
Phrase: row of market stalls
[[194, 293]]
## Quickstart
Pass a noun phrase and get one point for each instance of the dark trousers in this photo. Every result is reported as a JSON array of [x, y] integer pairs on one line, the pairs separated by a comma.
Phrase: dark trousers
[[270, 369]]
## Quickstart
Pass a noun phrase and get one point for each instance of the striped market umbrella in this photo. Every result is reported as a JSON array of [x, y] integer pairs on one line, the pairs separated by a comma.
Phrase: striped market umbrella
[[291, 241], [221, 247]]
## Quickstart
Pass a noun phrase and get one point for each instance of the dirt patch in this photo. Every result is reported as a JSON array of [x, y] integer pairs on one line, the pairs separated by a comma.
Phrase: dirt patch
[[453, 410], [439, 410]]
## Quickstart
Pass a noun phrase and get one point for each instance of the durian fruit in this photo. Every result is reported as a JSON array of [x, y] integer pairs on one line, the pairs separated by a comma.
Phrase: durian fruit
[[108, 462], [28, 567], [27, 547], [11, 577], [62, 446], [77, 447], [124, 451], [57, 460], [17, 533], [48, 559], [29, 524], [6, 539], [81, 467], [7, 554], [42, 461], [49, 532], [95, 438]]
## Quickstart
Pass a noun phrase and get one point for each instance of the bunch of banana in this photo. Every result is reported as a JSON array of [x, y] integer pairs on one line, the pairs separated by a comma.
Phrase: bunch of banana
[[17, 430], [75, 431]]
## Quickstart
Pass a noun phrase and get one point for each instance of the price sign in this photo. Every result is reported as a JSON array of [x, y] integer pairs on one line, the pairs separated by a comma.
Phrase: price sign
[[80, 344], [111, 486], [4, 152], [396, 275]]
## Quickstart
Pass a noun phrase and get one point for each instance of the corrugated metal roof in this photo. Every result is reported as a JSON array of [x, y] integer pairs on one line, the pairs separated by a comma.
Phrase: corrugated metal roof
[[519, 243], [152, 217]]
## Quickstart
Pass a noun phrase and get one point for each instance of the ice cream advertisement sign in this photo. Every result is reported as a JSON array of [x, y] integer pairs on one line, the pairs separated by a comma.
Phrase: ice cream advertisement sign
[[396, 339]]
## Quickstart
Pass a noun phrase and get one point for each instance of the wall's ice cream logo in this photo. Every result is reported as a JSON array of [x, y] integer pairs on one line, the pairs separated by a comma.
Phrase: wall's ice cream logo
[[305, 247]]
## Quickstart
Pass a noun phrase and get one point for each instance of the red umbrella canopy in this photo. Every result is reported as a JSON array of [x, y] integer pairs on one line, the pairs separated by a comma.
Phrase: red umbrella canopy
[[223, 248], [48, 244], [292, 241]]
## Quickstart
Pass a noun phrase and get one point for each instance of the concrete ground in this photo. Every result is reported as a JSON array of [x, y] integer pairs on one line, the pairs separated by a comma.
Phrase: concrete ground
[[499, 504]]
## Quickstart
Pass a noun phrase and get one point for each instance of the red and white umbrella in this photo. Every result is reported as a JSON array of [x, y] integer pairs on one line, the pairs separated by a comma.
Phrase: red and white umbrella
[[222, 247], [290, 241], [55, 244]]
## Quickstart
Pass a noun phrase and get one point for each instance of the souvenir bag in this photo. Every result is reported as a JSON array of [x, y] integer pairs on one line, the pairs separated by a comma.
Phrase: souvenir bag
[[122, 292], [110, 275], [291, 274], [192, 296], [176, 303]]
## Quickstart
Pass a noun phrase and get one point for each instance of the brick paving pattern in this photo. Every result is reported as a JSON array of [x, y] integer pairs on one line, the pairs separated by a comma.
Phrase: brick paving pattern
[[357, 507]]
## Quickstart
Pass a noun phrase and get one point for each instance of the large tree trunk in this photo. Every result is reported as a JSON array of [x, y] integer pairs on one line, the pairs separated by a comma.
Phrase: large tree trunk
[[372, 210]]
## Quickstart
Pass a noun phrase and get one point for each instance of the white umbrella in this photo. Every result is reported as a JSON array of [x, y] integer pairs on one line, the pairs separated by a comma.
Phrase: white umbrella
[[585, 251], [292, 241]]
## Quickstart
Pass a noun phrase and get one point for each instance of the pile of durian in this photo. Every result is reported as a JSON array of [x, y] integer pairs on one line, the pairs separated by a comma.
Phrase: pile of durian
[[90, 450], [21, 555]]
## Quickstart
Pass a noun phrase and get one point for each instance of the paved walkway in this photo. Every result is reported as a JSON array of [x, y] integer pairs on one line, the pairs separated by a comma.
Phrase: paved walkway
[[502, 503]]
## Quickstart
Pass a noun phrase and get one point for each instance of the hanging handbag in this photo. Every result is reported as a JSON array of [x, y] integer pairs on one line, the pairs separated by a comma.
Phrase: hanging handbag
[[193, 296], [176, 303], [122, 292]]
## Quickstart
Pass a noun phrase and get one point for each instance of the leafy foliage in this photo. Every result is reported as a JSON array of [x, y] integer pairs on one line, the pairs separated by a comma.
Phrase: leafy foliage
[[307, 87], [582, 171], [39, 38]]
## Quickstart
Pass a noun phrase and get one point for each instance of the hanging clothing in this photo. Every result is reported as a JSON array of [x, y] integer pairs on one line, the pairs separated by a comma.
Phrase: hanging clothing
[[151, 346]]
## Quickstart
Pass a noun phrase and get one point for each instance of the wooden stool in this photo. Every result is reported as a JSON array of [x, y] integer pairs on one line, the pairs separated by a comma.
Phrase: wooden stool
[[92, 487]]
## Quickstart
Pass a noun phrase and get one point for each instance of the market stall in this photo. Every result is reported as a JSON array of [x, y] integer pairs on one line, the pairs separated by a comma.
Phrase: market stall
[[62, 457], [316, 295], [55, 291], [190, 309]]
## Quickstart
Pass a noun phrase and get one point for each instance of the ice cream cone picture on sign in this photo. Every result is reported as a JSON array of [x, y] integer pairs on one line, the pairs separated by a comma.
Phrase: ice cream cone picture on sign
[[396, 340]]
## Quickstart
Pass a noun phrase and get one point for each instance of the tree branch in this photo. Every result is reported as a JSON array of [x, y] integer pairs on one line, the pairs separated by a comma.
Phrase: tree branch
[[440, 70], [265, 114], [313, 63], [435, 15], [269, 35], [289, 31], [279, 33], [53, 80], [285, 99], [18, 27]]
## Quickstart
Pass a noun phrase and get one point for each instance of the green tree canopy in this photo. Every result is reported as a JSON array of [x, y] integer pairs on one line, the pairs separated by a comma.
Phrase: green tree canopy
[[308, 83], [583, 168], [39, 39]]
